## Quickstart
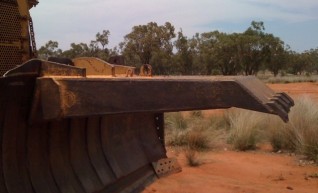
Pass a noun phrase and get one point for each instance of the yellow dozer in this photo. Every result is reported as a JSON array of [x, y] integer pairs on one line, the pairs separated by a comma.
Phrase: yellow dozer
[[96, 127]]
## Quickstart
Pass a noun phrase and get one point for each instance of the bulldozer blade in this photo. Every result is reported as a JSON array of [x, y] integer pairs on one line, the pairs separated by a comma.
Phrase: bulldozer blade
[[109, 153], [62, 131]]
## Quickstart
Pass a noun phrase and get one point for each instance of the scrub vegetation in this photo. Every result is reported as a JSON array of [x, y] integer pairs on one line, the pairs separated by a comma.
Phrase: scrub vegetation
[[244, 130]]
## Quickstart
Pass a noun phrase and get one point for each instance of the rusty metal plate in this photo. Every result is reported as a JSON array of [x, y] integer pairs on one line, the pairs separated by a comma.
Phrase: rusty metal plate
[[166, 166], [67, 97]]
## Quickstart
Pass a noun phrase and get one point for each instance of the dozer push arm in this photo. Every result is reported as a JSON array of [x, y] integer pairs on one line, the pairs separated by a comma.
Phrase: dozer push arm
[[65, 91], [70, 97], [62, 130]]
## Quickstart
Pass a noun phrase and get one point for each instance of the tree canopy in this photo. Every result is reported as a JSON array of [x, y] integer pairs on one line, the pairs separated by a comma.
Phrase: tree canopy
[[208, 53], [149, 44]]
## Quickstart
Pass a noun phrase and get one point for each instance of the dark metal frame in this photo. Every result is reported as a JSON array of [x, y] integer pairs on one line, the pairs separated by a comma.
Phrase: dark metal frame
[[61, 131]]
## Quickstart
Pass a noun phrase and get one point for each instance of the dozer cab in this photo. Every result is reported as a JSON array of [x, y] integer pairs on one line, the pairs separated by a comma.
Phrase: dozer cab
[[94, 127]]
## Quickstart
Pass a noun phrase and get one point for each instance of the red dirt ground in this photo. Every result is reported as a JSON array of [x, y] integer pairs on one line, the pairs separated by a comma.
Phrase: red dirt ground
[[297, 89], [259, 171]]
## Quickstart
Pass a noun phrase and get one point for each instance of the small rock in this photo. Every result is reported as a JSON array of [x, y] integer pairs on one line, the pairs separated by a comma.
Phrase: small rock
[[290, 188], [292, 154]]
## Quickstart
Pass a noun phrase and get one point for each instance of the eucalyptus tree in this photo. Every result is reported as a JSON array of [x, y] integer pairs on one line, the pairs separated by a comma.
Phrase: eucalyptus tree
[[251, 48], [206, 44], [296, 63], [275, 54], [50, 49], [102, 38], [150, 44], [311, 60], [76, 50], [184, 55], [226, 52], [256, 48], [92, 49], [218, 51]]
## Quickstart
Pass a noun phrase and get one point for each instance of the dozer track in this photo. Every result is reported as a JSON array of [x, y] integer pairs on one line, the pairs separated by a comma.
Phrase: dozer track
[[62, 131]]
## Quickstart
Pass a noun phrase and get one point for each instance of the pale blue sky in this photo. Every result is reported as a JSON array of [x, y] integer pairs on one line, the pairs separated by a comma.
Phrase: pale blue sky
[[68, 21]]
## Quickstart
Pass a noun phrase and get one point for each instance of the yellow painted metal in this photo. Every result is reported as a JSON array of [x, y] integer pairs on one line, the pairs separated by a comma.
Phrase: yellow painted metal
[[15, 38], [94, 66], [98, 67], [14, 44], [121, 70], [23, 6]]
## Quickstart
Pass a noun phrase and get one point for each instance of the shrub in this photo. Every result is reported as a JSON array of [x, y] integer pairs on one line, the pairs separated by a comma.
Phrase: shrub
[[198, 140], [220, 122], [275, 133], [244, 128], [300, 134], [175, 121], [175, 132], [176, 138], [194, 133], [303, 127], [192, 158]]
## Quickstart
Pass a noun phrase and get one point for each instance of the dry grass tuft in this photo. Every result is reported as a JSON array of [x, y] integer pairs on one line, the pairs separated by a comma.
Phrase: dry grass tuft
[[176, 121], [245, 127], [192, 157], [194, 132], [288, 78], [300, 134]]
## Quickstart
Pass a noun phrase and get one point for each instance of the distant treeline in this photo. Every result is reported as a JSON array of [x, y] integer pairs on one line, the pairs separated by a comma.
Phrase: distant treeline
[[209, 53]]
